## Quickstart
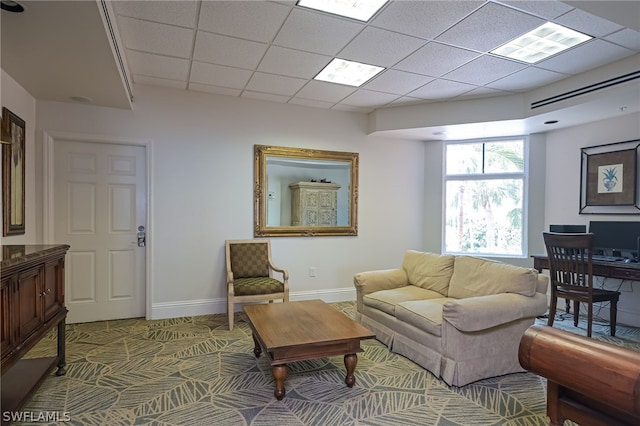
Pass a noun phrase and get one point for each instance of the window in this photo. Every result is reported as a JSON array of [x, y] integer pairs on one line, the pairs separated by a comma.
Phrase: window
[[484, 197]]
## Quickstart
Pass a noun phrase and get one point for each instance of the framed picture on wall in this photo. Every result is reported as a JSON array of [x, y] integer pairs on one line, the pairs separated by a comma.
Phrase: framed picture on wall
[[609, 178], [13, 167]]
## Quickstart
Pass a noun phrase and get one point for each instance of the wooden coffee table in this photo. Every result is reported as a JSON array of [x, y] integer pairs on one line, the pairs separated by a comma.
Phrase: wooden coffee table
[[300, 331]]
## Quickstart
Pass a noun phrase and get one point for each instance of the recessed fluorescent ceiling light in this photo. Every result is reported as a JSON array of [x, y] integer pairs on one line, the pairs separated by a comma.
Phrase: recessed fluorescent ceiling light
[[347, 72], [361, 10], [546, 40]]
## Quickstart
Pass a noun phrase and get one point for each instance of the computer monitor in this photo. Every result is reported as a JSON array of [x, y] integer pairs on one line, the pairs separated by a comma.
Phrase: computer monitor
[[568, 229], [616, 238]]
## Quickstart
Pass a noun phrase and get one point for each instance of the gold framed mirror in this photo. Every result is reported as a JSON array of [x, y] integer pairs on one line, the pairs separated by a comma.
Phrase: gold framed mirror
[[304, 192]]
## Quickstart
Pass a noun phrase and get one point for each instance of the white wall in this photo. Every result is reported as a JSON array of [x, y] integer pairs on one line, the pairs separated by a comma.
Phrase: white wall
[[562, 198], [203, 184]]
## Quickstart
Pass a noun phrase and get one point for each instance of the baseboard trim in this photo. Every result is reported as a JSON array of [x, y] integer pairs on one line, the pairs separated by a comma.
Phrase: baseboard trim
[[190, 308]]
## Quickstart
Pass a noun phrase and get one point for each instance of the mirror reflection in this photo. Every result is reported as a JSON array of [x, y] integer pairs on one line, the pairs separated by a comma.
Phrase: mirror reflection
[[301, 192]]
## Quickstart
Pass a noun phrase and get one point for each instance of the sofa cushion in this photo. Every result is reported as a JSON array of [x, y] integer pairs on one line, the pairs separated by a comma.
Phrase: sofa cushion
[[386, 300], [474, 276], [423, 314], [429, 270]]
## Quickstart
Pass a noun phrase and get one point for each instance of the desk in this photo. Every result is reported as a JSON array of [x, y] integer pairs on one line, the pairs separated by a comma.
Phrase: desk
[[619, 270]]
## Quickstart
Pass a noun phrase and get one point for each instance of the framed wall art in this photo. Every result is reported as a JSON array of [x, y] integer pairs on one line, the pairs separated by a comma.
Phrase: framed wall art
[[13, 167], [609, 178]]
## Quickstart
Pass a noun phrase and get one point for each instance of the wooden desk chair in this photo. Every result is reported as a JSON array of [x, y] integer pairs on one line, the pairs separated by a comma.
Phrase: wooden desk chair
[[571, 267], [250, 274]]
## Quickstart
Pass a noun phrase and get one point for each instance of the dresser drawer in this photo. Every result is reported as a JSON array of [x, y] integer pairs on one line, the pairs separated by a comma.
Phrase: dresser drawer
[[631, 273]]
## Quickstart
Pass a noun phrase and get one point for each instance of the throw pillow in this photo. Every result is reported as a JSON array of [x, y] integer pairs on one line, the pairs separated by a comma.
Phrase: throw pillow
[[474, 276], [430, 271]]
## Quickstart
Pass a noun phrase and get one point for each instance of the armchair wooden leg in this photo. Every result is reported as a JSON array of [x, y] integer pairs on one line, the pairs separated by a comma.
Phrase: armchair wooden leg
[[230, 314], [613, 316], [552, 311]]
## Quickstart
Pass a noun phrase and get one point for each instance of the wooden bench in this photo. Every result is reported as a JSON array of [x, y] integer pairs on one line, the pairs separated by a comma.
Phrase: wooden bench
[[588, 381]]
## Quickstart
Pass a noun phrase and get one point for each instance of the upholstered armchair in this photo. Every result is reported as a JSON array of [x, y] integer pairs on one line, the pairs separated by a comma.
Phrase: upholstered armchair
[[250, 274]]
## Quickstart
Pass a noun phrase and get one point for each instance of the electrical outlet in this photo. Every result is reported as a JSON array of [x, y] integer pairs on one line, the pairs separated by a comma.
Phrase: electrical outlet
[[312, 271]]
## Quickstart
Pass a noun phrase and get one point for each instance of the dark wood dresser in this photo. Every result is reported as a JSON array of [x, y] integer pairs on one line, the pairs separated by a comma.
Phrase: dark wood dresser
[[32, 303]]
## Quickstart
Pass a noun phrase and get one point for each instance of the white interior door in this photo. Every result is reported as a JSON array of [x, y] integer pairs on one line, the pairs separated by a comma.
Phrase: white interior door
[[99, 206]]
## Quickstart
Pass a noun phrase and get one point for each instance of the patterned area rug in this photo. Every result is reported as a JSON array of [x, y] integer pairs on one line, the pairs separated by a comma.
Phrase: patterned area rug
[[194, 371]]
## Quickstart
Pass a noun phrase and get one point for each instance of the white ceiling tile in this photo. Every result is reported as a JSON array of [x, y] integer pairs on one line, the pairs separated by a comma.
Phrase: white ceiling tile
[[425, 19], [384, 48], [218, 75], [275, 84], [163, 82], [489, 27], [252, 20], [436, 59], [229, 51], [265, 96], [528, 78], [441, 89], [408, 100], [484, 69], [156, 38], [293, 63], [182, 13], [197, 87], [543, 8], [585, 57], [271, 50], [316, 32], [327, 92], [367, 98], [587, 23], [483, 92], [158, 66], [398, 82], [626, 38]]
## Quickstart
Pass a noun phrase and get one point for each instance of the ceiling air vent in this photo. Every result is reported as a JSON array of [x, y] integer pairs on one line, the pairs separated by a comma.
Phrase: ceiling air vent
[[116, 48], [587, 89]]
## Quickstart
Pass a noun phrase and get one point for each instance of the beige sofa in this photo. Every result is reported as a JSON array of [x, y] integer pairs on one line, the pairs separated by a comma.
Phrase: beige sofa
[[460, 317]]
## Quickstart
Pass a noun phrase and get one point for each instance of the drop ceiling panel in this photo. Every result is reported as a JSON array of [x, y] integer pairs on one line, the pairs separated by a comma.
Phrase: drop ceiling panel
[[218, 75], [424, 19], [484, 70], [156, 38], [584, 57], [367, 98], [489, 27], [252, 20], [380, 47], [223, 50], [217, 46], [441, 89], [293, 63], [327, 92], [197, 87], [398, 82], [158, 66], [315, 32], [545, 9], [526, 79], [588, 24], [436, 59], [275, 84], [182, 13], [626, 38], [163, 82]]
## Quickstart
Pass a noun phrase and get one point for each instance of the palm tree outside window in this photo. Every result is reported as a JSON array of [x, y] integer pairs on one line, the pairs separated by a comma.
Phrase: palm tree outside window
[[485, 197]]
